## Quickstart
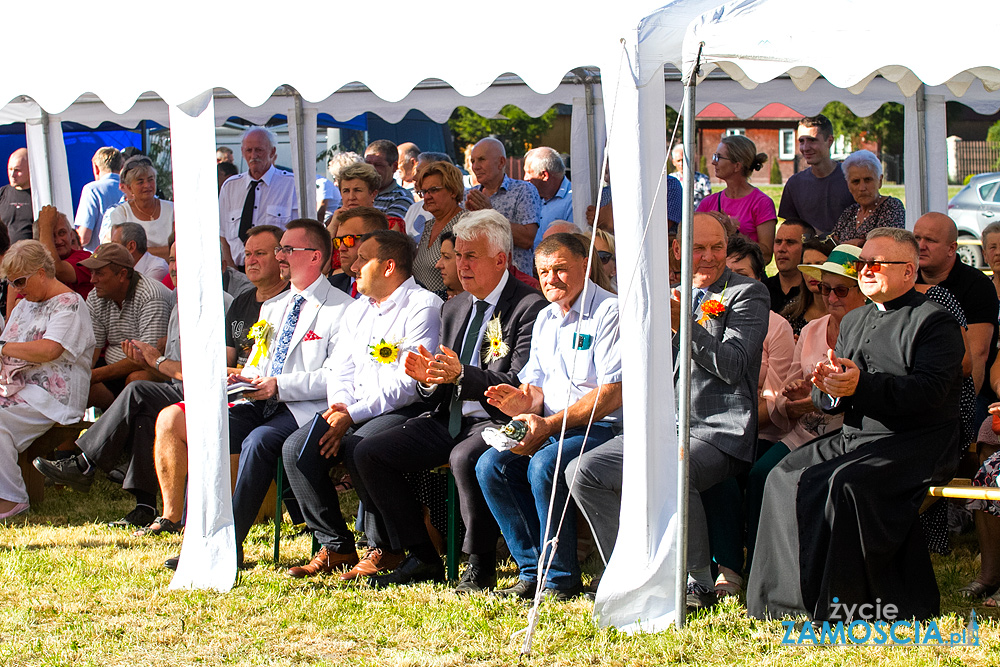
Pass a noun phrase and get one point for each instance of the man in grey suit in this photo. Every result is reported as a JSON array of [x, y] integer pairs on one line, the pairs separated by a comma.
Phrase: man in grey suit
[[726, 350]]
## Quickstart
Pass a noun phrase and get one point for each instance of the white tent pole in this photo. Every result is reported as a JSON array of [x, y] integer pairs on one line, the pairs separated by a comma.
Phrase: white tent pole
[[922, 147], [588, 90], [208, 554], [686, 234], [302, 134]]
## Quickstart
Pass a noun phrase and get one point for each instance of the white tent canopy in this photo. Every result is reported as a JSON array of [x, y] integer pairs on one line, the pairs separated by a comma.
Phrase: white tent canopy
[[203, 46], [948, 46]]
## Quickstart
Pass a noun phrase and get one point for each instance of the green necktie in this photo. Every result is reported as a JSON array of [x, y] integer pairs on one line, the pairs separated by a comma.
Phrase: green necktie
[[468, 347]]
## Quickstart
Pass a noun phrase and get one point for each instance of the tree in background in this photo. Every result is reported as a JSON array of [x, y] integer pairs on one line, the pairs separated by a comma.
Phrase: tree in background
[[518, 131], [775, 172], [884, 127]]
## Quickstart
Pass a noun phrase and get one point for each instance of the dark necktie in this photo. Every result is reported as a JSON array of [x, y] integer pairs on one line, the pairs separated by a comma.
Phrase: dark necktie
[[281, 350], [246, 218], [468, 348]]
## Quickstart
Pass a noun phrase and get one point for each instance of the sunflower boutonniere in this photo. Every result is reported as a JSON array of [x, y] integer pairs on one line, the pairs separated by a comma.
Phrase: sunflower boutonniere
[[385, 352]]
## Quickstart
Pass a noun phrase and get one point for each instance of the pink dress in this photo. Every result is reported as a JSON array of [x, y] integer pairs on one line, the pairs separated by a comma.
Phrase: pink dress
[[753, 210], [775, 365], [811, 349]]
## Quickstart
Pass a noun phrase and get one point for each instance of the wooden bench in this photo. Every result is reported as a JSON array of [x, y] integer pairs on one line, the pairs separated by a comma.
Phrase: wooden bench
[[43, 446]]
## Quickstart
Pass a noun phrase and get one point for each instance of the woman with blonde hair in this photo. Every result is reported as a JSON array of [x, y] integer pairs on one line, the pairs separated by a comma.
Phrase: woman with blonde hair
[[142, 206], [46, 351], [440, 186], [735, 159]]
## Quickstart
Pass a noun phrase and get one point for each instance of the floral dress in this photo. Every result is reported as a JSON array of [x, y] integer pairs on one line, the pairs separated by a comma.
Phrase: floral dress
[[57, 389]]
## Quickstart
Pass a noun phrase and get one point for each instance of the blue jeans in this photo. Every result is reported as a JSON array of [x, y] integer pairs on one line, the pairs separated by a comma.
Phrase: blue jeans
[[518, 488]]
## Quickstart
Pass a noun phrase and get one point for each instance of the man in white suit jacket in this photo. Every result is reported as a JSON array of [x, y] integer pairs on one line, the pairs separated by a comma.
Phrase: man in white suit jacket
[[302, 331]]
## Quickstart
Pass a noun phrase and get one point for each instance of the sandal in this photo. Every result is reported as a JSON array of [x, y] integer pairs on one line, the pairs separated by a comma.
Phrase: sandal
[[992, 601], [345, 484], [977, 590], [726, 585], [160, 526]]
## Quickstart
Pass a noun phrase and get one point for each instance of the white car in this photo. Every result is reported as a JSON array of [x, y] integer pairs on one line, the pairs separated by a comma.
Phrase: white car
[[973, 208]]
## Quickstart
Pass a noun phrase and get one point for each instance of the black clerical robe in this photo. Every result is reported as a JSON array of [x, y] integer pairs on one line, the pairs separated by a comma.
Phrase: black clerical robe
[[840, 514]]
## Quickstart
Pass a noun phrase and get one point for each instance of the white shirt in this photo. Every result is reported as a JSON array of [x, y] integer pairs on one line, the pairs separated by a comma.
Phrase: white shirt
[[157, 231], [474, 409], [409, 318], [563, 373], [152, 267], [415, 219], [275, 204]]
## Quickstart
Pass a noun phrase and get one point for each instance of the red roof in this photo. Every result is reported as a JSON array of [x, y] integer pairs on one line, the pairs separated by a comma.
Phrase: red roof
[[773, 111]]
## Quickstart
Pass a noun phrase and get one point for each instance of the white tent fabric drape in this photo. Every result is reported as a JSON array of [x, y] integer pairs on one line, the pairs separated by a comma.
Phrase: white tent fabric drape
[[208, 554]]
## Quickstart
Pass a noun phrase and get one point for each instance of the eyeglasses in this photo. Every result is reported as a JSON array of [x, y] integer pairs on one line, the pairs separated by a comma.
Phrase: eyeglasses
[[874, 264], [605, 256], [348, 240], [716, 157], [436, 189], [287, 249], [19, 283], [839, 290]]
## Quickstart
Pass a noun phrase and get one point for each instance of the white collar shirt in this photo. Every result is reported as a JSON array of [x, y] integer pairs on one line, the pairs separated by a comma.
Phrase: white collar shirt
[[408, 318], [474, 409], [275, 204], [566, 372]]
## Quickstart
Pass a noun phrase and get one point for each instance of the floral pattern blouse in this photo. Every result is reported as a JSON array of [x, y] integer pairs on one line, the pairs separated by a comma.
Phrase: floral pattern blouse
[[58, 389]]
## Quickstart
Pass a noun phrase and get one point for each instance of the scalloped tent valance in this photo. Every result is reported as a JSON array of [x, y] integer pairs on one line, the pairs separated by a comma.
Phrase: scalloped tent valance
[[754, 41]]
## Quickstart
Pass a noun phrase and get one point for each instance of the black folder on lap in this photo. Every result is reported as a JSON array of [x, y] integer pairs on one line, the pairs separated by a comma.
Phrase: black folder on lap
[[309, 456]]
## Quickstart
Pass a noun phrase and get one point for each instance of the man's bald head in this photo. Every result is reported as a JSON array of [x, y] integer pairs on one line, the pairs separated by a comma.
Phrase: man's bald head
[[937, 238], [489, 158], [560, 227], [17, 169], [941, 223]]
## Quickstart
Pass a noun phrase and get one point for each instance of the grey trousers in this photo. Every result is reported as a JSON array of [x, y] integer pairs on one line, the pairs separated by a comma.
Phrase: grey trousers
[[598, 493]]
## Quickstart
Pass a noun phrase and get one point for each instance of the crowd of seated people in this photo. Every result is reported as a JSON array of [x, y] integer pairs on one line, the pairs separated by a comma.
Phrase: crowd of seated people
[[409, 338]]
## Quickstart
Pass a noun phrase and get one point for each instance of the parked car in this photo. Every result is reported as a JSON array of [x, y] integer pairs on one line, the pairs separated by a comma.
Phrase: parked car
[[975, 206]]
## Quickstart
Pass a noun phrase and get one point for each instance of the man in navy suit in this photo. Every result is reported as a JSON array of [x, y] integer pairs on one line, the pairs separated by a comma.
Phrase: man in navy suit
[[473, 356]]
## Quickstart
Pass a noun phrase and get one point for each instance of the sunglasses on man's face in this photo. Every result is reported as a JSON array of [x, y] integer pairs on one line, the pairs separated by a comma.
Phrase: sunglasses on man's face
[[349, 241], [875, 264]]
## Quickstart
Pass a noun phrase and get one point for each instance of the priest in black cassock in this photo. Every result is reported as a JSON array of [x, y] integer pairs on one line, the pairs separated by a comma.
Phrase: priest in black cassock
[[840, 514]]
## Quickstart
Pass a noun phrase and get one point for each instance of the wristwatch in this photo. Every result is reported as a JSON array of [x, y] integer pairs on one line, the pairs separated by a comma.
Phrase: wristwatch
[[458, 380], [160, 360]]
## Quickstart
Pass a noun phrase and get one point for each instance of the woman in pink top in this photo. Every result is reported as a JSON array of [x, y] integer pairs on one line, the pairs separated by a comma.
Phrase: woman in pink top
[[734, 160], [794, 411]]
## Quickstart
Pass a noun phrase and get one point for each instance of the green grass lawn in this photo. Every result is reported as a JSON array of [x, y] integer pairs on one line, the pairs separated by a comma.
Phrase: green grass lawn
[[78, 593]]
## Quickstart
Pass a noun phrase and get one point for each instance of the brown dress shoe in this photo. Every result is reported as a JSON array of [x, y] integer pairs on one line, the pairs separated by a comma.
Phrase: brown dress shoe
[[374, 561], [324, 561]]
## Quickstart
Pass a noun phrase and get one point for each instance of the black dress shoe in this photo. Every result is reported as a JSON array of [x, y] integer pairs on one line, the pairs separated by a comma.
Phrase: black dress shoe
[[140, 517], [476, 580], [410, 571], [563, 594], [66, 472], [523, 590]]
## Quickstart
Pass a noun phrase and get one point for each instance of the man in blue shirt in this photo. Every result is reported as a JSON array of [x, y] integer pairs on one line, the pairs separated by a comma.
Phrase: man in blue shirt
[[98, 196], [544, 168]]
